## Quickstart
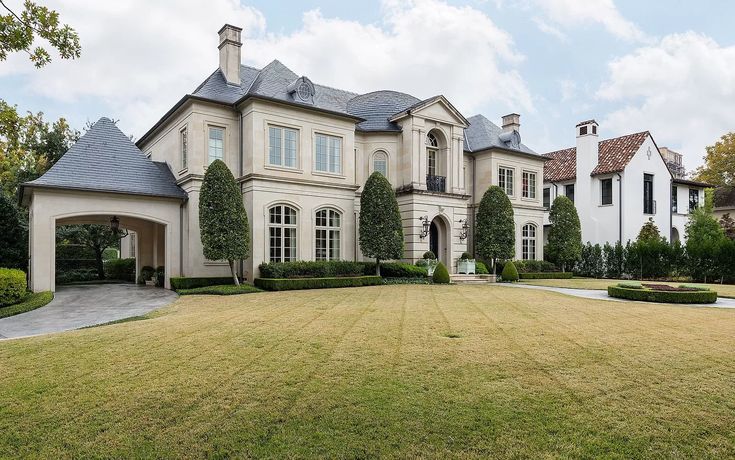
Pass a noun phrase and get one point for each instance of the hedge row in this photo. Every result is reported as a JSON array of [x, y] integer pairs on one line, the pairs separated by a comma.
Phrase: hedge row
[[271, 284], [12, 286], [338, 268], [30, 302], [545, 275], [191, 283], [396, 270], [120, 269], [647, 295], [223, 289]]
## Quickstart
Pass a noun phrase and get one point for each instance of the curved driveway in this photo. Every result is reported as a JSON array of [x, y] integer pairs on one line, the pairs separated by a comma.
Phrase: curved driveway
[[74, 307]]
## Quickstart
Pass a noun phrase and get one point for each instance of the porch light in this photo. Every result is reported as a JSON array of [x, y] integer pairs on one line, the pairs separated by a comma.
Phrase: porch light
[[464, 229], [425, 224], [115, 227]]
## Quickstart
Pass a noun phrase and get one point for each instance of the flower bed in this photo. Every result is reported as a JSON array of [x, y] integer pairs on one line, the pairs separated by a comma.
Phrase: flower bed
[[662, 293]]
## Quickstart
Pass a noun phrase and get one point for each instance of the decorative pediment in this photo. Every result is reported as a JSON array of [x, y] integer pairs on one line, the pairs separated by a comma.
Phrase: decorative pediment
[[435, 108]]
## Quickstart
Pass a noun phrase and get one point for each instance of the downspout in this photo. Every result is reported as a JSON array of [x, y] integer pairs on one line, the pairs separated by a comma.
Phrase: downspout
[[620, 210], [671, 207], [241, 166], [181, 238], [474, 200], [356, 236]]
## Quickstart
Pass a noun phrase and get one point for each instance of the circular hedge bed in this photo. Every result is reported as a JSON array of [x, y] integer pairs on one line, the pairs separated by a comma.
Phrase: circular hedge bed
[[662, 293]]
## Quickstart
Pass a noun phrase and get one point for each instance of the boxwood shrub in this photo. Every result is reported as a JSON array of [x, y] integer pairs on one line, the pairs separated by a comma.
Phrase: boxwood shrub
[[509, 273], [120, 269], [224, 289], [12, 286], [312, 269], [535, 266], [272, 284], [396, 270], [191, 283], [441, 275], [28, 303], [648, 295], [545, 275]]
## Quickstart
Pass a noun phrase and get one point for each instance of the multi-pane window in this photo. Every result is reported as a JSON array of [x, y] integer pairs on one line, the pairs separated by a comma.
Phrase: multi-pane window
[[380, 163], [648, 207], [693, 199], [431, 153], [547, 197], [282, 230], [328, 232], [529, 185], [216, 144], [505, 180], [328, 153], [184, 149], [282, 146], [674, 198], [569, 191], [606, 191], [528, 242]]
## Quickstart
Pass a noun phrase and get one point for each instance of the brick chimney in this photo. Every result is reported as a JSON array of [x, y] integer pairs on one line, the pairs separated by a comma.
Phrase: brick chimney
[[229, 53]]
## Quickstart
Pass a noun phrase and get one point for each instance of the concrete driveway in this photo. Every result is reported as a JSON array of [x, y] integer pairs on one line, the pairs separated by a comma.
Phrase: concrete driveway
[[74, 307]]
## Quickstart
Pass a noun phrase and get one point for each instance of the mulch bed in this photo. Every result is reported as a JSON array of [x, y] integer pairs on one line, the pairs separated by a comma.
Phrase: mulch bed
[[666, 287]]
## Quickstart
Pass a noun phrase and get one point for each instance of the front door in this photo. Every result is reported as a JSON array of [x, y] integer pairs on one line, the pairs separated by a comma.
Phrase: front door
[[434, 240]]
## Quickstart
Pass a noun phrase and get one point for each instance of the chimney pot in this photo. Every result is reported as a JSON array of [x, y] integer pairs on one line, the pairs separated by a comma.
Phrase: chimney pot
[[229, 53], [511, 122]]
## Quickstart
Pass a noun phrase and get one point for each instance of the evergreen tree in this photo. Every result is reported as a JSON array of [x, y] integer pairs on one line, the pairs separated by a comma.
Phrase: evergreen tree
[[222, 217], [704, 239], [728, 226], [13, 236], [565, 236], [381, 231], [495, 237]]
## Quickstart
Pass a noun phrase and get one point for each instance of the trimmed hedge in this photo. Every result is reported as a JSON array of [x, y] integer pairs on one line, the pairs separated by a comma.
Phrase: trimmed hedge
[[120, 269], [534, 266], [647, 295], [396, 270], [29, 302], [191, 283], [509, 273], [223, 289], [78, 275], [441, 275], [272, 284], [545, 276], [481, 268], [312, 269], [12, 286]]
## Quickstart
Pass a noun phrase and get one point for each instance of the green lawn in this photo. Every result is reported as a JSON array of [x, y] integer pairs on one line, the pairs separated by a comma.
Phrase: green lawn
[[389, 371], [723, 290]]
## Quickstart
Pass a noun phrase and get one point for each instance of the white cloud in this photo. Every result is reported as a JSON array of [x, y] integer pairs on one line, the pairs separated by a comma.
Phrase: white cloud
[[682, 90], [569, 13], [140, 57], [547, 28]]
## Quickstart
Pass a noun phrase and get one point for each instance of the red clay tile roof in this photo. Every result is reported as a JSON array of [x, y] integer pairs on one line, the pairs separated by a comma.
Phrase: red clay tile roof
[[613, 156]]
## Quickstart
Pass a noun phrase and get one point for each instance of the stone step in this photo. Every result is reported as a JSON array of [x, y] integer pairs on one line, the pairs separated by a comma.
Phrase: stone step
[[459, 278]]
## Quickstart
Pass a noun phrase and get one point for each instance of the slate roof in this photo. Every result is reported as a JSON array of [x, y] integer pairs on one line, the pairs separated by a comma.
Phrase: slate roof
[[483, 134], [372, 111], [613, 156], [725, 197], [105, 160]]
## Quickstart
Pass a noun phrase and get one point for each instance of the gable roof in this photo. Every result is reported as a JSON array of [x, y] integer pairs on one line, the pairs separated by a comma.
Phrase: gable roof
[[377, 107], [427, 102], [613, 156], [105, 160], [483, 134]]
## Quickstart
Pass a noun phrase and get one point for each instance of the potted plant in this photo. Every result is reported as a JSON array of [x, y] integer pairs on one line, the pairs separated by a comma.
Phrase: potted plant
[[431, 262], [466, 264]]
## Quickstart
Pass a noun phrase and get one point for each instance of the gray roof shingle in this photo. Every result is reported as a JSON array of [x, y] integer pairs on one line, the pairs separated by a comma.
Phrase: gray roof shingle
[[378, 107], [105, 160], [483, 134]]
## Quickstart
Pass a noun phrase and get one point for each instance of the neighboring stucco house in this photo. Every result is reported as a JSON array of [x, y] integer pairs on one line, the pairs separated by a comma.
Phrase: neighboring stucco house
[[617, 185], [301, 153]]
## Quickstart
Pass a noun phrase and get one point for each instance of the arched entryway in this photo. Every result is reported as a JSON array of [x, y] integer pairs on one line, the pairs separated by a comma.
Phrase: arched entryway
[[439, 242]]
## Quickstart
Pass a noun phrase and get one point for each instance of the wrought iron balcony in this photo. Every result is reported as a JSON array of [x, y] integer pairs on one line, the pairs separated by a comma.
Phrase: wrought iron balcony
[[436, 183]]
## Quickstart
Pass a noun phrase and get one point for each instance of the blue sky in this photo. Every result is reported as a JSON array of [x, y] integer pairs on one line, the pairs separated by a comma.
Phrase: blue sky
[[667, 67]]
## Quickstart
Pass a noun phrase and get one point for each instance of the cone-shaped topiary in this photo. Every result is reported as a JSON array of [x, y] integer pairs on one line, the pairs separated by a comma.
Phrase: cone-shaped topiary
[[510, 273], [565, 237], [222, 217], [441, 275], [381, 231], [495, 229]]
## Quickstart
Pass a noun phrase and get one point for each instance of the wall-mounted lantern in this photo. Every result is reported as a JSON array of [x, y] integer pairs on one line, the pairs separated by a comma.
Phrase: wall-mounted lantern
[[464, 230], [425, 224], [115, 227]]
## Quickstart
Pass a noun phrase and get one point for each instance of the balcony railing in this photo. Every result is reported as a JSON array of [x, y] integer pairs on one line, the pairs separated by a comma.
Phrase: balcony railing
[[436, 183]]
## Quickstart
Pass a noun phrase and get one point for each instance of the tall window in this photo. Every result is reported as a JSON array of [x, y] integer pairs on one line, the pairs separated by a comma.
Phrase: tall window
[[528, 242], [328, 231], [328, 153], [282, 230], [606, 190], [569, 191], [282, 146], [216, 144], [431, 153], [648, 194], [693, 199], [505, 180], [674, 198], [529, 185], [547, 197], [380, 163], [184, 149]]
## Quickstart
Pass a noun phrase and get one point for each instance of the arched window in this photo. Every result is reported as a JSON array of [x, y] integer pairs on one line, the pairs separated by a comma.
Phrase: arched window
[[432, 147], [528, 242], [282, 230], [380, 162], [328, 234]]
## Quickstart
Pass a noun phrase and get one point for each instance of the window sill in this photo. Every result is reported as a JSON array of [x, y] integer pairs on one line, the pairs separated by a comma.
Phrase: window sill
[[284, 169], [605, 205], [328, 174], [529, 199]]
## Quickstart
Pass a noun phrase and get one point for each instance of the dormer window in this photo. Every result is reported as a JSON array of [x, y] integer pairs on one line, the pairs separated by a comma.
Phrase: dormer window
[[302, 90]]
